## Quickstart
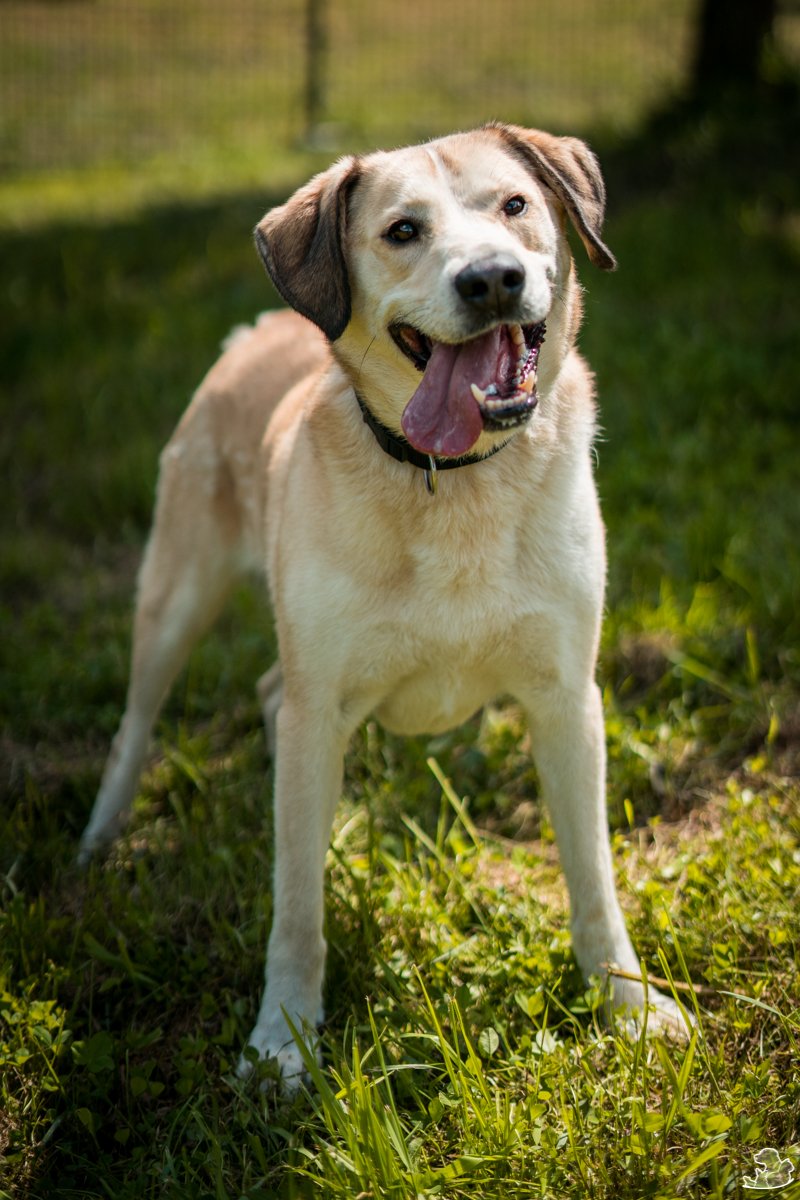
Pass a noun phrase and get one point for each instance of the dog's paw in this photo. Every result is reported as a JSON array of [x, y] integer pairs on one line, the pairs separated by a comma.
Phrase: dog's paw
[[89, 850], [629, 1007], [280, 1065]]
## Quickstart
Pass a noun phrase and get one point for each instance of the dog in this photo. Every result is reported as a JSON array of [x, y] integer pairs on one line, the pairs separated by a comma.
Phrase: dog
[[406, 454]]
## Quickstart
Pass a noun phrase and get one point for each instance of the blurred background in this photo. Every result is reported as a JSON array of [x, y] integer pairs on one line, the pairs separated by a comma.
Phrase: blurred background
[[198, 93]]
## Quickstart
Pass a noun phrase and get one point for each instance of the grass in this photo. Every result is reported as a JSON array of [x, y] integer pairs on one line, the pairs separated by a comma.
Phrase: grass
[[464, 1056]]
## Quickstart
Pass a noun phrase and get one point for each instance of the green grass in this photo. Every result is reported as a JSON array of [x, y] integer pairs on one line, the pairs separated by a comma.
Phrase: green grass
[[463, 1054]]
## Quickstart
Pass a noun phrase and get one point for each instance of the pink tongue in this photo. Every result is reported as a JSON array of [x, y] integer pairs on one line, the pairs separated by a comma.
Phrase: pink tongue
[[442, 417]]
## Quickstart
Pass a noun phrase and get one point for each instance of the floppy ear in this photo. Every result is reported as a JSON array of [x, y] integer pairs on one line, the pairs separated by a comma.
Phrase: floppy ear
[[570, 169], [301, 245]]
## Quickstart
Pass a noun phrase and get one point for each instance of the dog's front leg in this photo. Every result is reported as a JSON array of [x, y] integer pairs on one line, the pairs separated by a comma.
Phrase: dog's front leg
[[568, 741], [308, 774]]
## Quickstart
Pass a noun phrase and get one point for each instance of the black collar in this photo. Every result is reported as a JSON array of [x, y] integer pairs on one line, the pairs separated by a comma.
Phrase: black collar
[[402, 451]]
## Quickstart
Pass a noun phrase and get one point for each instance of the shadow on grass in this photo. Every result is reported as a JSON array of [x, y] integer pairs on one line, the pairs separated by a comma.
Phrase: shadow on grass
[[106, 331]]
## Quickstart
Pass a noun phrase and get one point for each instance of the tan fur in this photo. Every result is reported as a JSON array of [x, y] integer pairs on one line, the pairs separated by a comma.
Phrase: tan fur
[[388, 600]]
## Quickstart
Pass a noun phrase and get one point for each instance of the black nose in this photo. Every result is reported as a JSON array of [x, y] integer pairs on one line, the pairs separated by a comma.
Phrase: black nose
[[493, 284]]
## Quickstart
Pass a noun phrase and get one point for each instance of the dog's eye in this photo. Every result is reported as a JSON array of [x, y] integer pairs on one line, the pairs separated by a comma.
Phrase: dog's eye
[[515, 207], [402, 231]]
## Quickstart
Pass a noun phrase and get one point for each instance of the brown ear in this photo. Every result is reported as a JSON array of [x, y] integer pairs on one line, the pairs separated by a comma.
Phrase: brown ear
[[569, 169], [301, 245]]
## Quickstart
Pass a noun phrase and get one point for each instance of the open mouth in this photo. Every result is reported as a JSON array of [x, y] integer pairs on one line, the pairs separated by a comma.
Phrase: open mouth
[[487, 383]]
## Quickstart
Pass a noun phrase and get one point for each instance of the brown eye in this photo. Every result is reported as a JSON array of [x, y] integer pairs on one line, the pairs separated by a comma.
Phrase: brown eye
[[402, 231], [515, 207]]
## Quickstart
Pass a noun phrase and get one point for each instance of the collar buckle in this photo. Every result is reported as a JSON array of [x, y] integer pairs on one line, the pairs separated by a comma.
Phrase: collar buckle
[[431, 476]]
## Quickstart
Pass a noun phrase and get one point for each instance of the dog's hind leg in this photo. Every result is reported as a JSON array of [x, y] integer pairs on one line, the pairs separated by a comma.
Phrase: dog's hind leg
[[270, 694], [189, 564]]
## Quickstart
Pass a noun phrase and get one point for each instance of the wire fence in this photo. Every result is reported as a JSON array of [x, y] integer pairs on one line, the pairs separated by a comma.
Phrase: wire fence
[[84, 82]]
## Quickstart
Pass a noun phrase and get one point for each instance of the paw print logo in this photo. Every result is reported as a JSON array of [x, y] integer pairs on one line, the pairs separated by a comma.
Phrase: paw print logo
[[773, 1172]]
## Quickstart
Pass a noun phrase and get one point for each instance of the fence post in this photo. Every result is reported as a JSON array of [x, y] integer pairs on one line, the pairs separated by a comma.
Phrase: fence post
[[316, 67]]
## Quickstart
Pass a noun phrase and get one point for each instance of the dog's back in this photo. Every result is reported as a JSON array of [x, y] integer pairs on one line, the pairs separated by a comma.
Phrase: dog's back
[[215, 449]]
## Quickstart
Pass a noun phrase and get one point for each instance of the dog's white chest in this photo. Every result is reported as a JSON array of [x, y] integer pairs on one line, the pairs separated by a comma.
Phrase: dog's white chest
[[447, 653], [436, 698]]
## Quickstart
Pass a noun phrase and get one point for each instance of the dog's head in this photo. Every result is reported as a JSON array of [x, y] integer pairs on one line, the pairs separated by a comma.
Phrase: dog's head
[[444, 260]]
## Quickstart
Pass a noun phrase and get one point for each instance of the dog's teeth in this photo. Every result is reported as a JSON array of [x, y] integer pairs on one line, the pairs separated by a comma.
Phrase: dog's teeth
[[518, 338], [527, 385], [483, 396]]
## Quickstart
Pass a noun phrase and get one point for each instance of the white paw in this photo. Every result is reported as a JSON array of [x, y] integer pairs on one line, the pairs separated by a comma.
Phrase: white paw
[[664, 1017], [90, 848], [287, 1070]]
